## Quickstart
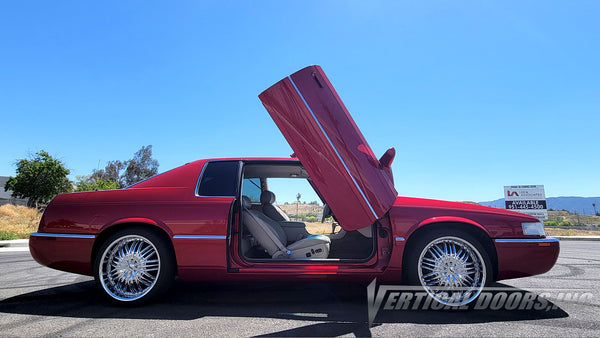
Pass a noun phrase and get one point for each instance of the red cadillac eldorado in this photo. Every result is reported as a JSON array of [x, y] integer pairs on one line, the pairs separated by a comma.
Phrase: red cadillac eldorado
[[216, 220]]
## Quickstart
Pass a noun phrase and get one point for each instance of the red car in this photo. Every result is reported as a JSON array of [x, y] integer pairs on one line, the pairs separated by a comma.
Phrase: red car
[[216, 219]]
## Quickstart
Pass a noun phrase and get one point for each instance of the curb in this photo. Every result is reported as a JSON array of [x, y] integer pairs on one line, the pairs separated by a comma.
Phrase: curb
[[14, 243], [577, 238]]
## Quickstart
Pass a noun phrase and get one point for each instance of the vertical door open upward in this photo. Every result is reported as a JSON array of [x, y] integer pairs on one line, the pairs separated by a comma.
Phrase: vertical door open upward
[[313, 119]]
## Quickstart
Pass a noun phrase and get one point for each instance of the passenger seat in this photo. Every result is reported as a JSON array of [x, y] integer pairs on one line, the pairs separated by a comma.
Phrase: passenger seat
[[267, 200], [271, 236]]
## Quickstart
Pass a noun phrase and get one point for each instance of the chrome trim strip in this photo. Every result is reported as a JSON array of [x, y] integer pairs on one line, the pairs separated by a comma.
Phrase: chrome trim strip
[[399, 239], [332, 146], [197, 188], [198, 237], [44, 234], [526, 240]]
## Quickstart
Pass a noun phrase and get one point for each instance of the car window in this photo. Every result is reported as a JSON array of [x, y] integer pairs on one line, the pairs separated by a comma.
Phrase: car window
[[251, 188], [219, 179]]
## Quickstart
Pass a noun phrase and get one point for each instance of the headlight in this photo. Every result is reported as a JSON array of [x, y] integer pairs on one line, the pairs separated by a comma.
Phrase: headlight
[[533, 229]]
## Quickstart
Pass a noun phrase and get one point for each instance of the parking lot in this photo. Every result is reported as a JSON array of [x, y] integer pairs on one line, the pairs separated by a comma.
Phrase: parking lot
[[38, 301]]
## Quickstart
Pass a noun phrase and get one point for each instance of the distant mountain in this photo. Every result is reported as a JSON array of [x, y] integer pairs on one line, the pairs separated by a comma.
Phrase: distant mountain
[[583, 205]]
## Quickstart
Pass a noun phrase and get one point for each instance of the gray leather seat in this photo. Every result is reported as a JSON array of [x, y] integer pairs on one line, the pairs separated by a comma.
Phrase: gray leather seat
[[269, 234], [267, 199]]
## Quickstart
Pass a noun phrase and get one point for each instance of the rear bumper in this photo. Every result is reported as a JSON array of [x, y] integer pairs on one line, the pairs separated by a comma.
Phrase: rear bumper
[[66, 252], [525, 257]]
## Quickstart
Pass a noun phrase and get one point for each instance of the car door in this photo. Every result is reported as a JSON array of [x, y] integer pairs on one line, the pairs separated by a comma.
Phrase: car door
[[358, 187]]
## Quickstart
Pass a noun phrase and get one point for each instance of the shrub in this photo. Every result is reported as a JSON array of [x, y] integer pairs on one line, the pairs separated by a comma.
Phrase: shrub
[[91, 185], [7, 236], [566, 224], [551, 223]]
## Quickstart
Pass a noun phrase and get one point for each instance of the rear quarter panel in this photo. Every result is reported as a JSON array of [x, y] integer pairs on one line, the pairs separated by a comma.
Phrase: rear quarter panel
[[168, 204]]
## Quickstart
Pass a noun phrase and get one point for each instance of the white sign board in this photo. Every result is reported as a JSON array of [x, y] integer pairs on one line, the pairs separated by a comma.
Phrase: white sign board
[[528, 199]]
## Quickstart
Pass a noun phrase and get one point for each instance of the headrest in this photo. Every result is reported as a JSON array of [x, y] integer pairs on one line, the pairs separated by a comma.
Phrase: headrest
[[246, 202], [267, 197]]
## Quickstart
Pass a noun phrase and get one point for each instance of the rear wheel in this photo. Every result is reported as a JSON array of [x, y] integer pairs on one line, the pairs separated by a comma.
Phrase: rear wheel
[[133, 266], [452, 266]]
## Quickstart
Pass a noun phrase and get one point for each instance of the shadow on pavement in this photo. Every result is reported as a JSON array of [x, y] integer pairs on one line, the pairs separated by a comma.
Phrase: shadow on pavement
[[342, 308]]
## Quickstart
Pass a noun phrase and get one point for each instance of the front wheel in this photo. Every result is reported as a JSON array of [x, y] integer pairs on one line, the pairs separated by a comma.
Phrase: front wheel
[[452, 267], [133, 266]]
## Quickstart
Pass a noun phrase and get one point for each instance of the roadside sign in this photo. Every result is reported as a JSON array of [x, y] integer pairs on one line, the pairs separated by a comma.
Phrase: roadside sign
[[528, 199]]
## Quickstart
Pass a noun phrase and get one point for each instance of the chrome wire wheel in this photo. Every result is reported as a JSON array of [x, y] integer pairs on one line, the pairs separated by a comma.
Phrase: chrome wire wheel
[[129, 268], [452, 271]]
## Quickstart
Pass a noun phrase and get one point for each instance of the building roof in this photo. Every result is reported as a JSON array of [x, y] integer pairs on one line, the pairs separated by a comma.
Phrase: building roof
[[4, 194]]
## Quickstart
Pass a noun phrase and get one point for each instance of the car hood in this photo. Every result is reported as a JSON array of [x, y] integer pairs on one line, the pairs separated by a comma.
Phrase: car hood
[[423, 203], [357, 186]]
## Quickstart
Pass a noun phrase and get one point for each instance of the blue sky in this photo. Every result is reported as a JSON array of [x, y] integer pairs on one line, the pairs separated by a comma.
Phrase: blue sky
[[474, 95]]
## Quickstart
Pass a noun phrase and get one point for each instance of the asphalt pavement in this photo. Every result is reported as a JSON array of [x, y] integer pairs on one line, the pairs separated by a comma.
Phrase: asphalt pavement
[[38, 301]]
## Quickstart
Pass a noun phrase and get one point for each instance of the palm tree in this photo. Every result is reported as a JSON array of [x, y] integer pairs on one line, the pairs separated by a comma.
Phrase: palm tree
[[297, 204]]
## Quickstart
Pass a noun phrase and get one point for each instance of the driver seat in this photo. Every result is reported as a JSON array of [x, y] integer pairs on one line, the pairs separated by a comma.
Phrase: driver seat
[[271, 236]]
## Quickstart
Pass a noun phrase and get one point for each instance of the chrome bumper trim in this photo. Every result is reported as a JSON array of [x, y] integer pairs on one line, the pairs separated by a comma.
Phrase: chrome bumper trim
[[198, 237], [526, 240], [44, 234]]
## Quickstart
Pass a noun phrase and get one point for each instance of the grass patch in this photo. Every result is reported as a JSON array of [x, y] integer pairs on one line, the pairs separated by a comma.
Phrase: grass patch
[[17, 222], [571, 232], [7, 236]]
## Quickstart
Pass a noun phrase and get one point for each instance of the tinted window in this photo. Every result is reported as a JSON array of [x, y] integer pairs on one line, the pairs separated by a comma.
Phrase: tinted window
[[219, 179], [251, 188]]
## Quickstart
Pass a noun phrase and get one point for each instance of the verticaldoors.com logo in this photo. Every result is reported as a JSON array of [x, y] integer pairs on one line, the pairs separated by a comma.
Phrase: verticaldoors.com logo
[[414, 298]]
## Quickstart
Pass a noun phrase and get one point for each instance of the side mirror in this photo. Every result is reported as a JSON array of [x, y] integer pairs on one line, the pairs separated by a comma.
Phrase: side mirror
[[387, 158]]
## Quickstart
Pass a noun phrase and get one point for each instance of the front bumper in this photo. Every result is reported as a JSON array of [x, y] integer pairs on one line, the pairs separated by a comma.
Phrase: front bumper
[[522, 257]]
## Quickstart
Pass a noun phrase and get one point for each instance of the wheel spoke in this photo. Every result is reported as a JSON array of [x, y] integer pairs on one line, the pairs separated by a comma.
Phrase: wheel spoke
[[429, 266], [437, 252], [433, 261]]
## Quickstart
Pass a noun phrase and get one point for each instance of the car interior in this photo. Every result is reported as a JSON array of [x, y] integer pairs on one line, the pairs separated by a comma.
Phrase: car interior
[[268, 233]]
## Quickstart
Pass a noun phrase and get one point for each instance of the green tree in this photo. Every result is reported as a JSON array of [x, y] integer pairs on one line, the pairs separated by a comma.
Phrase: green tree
[[39, 178], [124, 173], [90, 183], [141, 166], [111, 173]]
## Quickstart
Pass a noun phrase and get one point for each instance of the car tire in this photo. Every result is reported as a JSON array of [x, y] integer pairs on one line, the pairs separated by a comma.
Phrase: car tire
[[451, 266], [134, 266]]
